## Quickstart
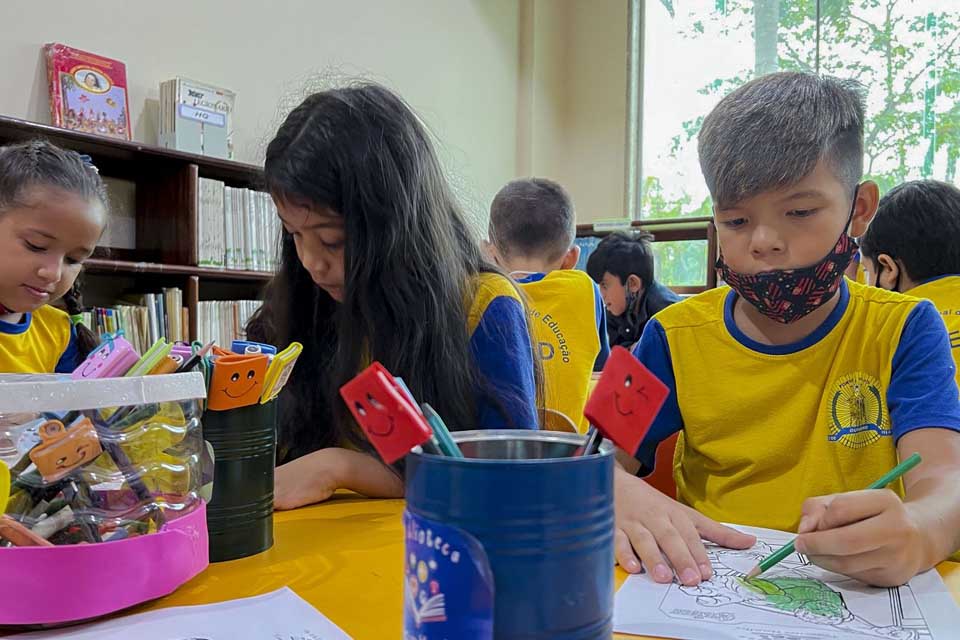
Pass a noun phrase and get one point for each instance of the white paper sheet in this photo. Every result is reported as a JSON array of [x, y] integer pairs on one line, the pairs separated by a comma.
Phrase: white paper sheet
[[793, 601], [280, 615]]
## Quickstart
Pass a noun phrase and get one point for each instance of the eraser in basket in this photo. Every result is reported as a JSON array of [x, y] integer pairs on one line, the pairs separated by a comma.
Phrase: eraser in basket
[[112, 359]]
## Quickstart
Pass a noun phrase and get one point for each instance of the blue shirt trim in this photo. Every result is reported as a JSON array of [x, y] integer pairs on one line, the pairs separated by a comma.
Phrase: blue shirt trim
[[935, 278], [601, 314], [70, 359], [923, 389], [16, 328], [506, 397], [654, 352], [533, 277], [783, 349]]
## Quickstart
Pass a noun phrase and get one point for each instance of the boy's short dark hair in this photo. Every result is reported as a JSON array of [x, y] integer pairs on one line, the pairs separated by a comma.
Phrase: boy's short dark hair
[[918, 223], [771, 132], [532, 217], [623, 255]]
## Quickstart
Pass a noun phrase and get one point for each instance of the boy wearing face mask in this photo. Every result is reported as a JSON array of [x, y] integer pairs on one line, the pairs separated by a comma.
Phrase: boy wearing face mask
[[913, 246], [794, 388], [623, 266]]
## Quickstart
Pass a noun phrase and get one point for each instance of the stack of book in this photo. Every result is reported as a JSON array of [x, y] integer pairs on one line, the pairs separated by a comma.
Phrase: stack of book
[[197, 118], [238, 228], [143, 318], [224, 321]]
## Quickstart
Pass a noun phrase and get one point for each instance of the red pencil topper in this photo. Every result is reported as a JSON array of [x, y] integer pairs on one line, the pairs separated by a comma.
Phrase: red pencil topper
[[626, 400], [386, 416]]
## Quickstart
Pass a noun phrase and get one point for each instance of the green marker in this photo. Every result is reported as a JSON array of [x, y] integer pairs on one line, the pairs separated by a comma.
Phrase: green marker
[[447, 445], [787, 549]]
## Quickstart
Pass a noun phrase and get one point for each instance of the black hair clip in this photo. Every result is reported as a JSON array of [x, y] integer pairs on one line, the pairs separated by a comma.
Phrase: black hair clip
[[88, 162]]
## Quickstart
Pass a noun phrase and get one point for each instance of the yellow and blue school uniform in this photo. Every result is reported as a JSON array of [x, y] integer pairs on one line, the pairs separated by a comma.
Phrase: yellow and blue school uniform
[[44, 341], [861, 273], [500, 343], [944, 293], [764, 427], [568, 320]]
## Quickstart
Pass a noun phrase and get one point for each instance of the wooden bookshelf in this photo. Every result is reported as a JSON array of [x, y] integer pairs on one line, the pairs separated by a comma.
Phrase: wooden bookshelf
[[101, 265], [166, 184]]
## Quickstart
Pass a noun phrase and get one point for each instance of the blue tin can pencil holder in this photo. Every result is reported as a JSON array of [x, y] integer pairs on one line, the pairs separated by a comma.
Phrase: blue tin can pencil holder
[[513, 541]]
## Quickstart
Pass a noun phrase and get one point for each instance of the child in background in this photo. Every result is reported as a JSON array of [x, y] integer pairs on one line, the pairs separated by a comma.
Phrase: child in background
[[532, 228], [53, 209], [377, 263], [913, 246], [794, 381], [623, 267]]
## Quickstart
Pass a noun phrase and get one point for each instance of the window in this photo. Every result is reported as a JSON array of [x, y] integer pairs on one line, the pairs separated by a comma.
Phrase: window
[[680, 263], [905, 52]]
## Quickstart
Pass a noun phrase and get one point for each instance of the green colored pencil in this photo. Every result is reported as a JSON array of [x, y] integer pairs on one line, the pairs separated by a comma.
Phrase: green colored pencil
[[447, 445], [787, 549]]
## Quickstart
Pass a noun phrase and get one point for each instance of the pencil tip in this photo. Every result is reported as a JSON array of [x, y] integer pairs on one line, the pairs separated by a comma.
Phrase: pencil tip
[[753, 572]]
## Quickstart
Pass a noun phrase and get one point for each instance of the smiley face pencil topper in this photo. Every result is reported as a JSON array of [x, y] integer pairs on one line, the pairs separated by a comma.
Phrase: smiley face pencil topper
[[625, 402], [237, 381], [391, 423]]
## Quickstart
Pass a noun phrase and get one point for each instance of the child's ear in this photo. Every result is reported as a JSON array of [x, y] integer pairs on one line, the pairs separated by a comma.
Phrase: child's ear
[[888, 272], [570, 258], [634, 283], [864, 208], [490, 251]]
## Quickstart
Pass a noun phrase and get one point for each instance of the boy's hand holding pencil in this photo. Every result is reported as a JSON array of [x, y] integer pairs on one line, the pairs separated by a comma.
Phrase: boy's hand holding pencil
[[869, 535]]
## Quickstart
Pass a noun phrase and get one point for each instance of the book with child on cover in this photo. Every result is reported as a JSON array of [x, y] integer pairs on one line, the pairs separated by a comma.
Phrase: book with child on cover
[[87, 92]]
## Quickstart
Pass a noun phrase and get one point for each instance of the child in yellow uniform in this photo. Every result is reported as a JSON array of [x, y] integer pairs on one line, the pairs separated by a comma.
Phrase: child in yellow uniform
[[532, 228], [793, 388], [378, 263], [913, 246], [53, 209]]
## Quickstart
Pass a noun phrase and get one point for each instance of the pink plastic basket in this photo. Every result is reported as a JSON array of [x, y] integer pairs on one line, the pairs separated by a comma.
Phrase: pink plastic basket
[[50, 585]]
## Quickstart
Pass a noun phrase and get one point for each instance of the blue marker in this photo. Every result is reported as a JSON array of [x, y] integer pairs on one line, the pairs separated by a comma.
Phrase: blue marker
[[441, 433], [246, 347]]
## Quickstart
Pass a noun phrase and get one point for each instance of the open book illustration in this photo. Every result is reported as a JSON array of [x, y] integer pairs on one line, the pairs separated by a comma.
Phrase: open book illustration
[[432, 609], [793, 601]]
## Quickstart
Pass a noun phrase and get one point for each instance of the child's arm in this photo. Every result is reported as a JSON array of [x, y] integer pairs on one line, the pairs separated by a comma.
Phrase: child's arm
[[501, 347], [601, 314], [877, 538], [316, 476], [649, 525], [873, 535], [70, 358]]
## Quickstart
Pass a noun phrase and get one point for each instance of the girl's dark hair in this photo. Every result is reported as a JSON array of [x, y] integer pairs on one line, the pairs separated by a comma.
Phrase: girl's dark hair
[[409, 266], [39, 163]]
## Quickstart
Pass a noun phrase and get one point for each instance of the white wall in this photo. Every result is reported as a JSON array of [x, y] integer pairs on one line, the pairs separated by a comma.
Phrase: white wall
[[571, 110], [509, 87], [455, 61]]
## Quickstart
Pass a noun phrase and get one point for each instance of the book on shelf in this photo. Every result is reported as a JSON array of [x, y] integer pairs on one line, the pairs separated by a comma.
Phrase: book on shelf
[[211, 241], [237, 228], [197, 117], [143, 318], [224, 320], [88, 92]]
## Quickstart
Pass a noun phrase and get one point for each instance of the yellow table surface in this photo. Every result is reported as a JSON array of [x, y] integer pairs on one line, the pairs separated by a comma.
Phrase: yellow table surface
[[345, 557]]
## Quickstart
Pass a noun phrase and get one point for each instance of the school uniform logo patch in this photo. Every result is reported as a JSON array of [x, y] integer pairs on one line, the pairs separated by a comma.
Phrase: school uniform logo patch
[[857, 413]]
